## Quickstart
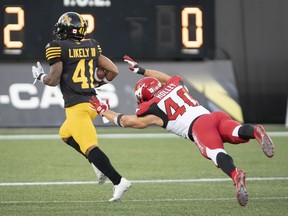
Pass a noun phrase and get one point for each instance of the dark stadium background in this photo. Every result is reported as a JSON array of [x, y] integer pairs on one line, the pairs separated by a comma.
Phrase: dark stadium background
[[252, 35]]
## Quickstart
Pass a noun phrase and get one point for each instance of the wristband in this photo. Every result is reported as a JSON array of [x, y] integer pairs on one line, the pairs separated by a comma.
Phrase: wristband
[[117, 120], [141, 70], [41, 77], [105, 80]]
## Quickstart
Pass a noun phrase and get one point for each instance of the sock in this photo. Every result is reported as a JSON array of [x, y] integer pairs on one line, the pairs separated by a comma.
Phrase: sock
[[71, 142], [233, 173], [102, 162], [246, 131], [225, 162]]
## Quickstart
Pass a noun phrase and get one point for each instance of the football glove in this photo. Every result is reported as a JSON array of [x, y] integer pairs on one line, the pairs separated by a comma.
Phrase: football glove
[[98, 106], [134, 65], [38, 73]]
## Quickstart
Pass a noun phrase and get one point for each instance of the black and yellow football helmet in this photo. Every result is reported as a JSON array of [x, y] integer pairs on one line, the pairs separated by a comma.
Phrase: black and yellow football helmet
[[70, 25]]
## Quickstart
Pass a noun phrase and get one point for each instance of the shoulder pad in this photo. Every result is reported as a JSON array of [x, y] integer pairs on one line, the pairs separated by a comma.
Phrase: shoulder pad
[[52, 44], [176, 78]]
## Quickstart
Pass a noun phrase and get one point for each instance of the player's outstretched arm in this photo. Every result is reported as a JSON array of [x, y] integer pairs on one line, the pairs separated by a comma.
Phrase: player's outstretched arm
[[132, 121], [123, 120], [134, 67], [162, 77]]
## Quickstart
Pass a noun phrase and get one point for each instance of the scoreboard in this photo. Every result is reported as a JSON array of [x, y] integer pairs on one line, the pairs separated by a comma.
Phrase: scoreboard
[[146, 29]]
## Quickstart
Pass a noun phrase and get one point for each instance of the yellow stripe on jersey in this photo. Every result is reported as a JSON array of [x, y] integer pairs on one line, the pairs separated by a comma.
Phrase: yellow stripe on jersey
[[99, 48], [53, 52]]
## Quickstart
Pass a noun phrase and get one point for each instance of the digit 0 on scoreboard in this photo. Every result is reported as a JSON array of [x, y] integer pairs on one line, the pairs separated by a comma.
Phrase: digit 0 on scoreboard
[[186, 30], [14, 22]]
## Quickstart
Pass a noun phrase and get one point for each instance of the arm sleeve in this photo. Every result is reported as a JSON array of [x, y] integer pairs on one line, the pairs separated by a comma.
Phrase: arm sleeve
[[53, 52]]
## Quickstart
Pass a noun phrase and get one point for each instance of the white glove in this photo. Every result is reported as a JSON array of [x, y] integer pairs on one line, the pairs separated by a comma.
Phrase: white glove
[[38, 73], [134, 66]]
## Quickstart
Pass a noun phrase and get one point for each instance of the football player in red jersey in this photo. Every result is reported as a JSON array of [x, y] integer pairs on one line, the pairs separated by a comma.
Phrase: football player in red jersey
[[73, 61], [165, 102]]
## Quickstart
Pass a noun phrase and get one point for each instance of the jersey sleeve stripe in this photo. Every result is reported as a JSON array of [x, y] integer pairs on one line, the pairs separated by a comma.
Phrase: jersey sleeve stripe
[[53, 52], [99, 48], [52, 56]]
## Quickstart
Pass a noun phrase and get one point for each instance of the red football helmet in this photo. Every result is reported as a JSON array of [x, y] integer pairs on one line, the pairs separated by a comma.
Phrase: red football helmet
[[146, 88]]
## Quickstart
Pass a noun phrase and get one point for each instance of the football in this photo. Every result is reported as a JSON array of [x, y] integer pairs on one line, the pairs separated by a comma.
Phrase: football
[[99, 74]]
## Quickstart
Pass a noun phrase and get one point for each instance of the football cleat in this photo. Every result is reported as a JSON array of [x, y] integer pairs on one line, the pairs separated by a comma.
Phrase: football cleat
[[264, 140], [101, 177], [120, 189], [240, 186]]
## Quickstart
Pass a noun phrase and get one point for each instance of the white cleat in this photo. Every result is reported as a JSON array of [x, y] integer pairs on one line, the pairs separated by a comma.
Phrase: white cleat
[[101, 177], [120, 189]]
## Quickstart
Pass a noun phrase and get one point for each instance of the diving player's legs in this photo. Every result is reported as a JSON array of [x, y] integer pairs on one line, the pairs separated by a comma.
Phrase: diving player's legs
[[209, 141], [264, 140], [233, 132], [225, 162]]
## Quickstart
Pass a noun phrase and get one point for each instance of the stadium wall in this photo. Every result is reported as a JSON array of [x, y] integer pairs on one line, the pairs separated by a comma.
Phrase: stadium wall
[[254, 35], [23, 104]]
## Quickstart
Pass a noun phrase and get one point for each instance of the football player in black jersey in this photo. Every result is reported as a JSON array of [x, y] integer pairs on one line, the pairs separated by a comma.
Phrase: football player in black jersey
[[73, 60]]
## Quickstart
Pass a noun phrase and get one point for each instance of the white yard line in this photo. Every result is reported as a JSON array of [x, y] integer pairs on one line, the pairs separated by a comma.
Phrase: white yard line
[[100, 136], [144, 200], [142, 181]]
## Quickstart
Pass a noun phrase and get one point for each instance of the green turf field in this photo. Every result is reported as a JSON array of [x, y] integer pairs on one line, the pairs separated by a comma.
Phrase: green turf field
[[169, 177]]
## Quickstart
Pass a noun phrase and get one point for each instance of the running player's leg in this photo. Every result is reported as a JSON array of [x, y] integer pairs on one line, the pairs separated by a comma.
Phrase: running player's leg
[[84, 132], [64, 132]]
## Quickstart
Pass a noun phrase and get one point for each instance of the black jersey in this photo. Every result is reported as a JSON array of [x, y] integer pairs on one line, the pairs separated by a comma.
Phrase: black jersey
[[79, 58]]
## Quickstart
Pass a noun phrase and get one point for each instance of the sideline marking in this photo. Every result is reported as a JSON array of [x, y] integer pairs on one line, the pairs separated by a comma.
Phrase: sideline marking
[[150, 200], [114, 136], [100, 136], [142, 181]]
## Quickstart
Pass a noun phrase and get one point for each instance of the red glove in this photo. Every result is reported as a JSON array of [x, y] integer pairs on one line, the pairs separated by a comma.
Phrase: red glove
[[99, 106], [134, 65]]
